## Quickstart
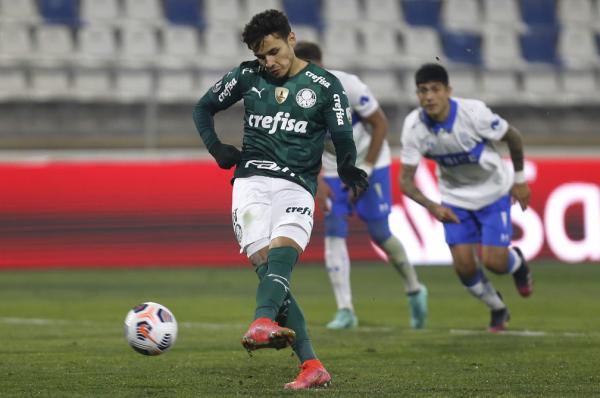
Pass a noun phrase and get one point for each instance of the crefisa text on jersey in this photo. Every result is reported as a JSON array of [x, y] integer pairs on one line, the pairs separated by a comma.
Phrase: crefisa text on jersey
[[279, 122]]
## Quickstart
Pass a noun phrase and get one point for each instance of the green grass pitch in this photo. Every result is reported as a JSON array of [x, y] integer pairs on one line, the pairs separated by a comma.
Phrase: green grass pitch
[[62, 336]]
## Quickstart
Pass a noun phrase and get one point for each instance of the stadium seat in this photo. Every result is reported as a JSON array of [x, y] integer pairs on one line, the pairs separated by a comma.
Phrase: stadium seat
[[306, 12], [92, 84], [465, 83], [21, 11], [580, 85], [16, 44], [463, 48], [100, 11], [176, 86], [340, 46], [13, 84], [139, 44], [539, 12], [501, 49], [422, 12], [55, 44], [96, 44], [144, 11], [50, 83], [336, 11], [219, 12], [461, 15], [384, 85], [253, 7], [421, 44], [541, 86], [500, 87], [577, 47], [64, 12], [539, 45], [208, 79], [185, 12], [222, 48], [503, 14], [387, 11], [381, 47], [576, 12], [306, 32], [133, 84], [180, 46]]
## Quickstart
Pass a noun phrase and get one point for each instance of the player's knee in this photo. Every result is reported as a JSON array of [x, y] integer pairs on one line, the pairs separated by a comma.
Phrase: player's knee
[[494, 264], [379, 230], [336, 225], [257, 252], [290, 235]]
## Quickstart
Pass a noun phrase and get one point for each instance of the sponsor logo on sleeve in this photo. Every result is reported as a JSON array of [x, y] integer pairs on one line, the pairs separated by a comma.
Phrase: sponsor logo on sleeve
[[337, 108], [227, 89], [306, 98], [318, 79], [217, 86]]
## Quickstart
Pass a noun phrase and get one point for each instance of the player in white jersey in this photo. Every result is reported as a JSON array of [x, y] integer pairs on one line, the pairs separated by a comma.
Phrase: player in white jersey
[[373, 206], [475, 184]]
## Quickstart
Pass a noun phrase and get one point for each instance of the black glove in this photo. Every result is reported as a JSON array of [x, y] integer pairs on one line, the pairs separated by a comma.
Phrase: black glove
[[226, 155], [353, 177]]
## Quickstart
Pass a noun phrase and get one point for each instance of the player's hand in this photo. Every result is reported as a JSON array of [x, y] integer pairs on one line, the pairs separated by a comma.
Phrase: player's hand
[[353, 177], [324, 195], [521, 193], [443, 214], [226, 155]]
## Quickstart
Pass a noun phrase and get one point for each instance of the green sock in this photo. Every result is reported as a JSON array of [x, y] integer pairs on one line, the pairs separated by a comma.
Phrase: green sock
[[290, 315], [275, 284]]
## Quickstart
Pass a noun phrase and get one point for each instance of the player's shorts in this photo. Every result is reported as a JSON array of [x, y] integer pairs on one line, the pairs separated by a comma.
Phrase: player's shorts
[[491, 225], [264, 208], [373, 204]]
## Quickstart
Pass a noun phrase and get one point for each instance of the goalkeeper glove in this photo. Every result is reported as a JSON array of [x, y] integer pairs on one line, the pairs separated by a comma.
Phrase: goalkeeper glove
[[353, 177], [226, 155]]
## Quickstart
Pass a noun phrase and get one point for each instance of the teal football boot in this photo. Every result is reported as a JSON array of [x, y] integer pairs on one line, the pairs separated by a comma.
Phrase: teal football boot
[[344, 319], [417, 303]]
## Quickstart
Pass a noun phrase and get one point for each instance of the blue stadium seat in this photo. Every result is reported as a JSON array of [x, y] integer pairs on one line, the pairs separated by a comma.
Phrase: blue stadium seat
[[462, 47], [539, 12], [305, 12], [539, 45], [422, 12], [64, 12], [185, 12]]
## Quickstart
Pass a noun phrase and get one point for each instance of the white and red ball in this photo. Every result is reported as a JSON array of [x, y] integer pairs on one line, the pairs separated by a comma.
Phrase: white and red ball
[[150, 328]]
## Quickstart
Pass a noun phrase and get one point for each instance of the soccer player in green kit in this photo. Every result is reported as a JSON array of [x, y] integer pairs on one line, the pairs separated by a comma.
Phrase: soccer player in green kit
[[289, 106]]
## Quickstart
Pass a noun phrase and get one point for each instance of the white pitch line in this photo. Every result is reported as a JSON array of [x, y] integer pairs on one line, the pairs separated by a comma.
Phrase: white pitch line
[[523, 333]]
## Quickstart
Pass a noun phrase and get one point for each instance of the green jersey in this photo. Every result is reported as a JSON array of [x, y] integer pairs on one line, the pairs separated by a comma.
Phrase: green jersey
[[285, 120]]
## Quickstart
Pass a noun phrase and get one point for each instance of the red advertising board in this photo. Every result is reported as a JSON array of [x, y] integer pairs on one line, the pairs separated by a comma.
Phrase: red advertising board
[[177, 213]]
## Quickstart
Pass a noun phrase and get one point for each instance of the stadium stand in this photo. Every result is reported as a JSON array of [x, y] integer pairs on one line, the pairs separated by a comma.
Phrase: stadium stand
[[520, 52]]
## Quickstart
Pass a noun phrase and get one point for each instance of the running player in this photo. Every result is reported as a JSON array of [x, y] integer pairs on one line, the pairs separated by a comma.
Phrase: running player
[[475, 184], [289, 106], [373, 206]]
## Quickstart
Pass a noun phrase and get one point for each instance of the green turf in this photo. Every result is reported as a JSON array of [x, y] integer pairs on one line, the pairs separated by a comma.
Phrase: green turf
[[63, 336]]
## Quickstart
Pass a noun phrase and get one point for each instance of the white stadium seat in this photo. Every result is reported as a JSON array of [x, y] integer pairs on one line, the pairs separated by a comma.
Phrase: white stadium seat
[[306, 33], [50, 83], [180, 46], [55, 44], [219, 12], [465, 83], [500, 87], [92, 84], [143, 11], [16, 44], [580, 86], [100, 11], [384, 85], [13, 84], [340, 47], [381, 47], [96, 44], [336, 11], [421, 45], [575, 12], [222, 47], [139, 44], [461, 15], [577, 47], [253, 7], [504, 14], [19, 11], [176, 86], [387, 11], [133, 84], [541, 85], [500, 49]]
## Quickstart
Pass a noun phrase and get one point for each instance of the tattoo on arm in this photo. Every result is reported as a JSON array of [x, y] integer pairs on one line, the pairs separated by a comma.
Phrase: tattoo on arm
[[515, 146]]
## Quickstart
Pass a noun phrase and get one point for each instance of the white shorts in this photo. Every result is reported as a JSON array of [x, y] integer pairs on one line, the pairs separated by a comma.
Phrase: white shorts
[[264, 208]]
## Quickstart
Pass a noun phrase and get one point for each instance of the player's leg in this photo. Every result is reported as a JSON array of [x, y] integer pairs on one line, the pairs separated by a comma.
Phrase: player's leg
[[337, 260], [497, 256], [464, 239], [374, 207]]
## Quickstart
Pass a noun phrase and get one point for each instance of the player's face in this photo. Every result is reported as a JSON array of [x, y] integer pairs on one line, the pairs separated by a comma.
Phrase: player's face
[[434, 98], [277, 54]]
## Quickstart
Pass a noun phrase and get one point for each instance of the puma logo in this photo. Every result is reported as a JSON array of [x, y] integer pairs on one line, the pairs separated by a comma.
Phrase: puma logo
[[258, 92]]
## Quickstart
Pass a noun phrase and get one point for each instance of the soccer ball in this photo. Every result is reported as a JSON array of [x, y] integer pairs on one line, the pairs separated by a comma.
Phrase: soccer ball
[[150, 328]]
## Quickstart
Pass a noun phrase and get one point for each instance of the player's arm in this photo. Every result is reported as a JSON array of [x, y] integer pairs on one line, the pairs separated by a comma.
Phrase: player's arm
[[379, 129], [410, 189], [520, 190], [337, 119], [221, 96]]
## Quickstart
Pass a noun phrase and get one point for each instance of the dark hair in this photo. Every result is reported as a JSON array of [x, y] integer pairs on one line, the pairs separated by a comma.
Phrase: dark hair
[[263, 24], [308, 51], [431, 73]]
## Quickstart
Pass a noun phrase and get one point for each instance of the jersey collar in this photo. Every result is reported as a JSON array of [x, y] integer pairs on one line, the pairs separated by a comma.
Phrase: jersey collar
[[446, 124]]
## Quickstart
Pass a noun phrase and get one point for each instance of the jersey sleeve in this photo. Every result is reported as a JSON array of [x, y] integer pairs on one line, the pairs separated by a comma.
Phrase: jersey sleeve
[[410, 153], [360, 97], [220, 96], [338, 120], [486, 123]]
